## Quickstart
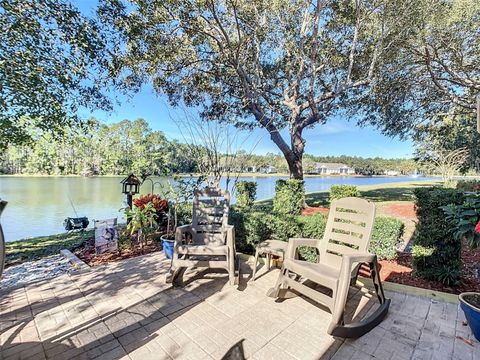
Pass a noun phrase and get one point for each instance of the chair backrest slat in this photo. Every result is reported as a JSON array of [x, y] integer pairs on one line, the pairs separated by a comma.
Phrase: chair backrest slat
[[210, 215], [348, 230]]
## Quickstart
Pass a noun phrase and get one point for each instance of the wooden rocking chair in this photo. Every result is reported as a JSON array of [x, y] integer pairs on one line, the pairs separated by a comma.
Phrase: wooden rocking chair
[[341, 252], [209, 242]]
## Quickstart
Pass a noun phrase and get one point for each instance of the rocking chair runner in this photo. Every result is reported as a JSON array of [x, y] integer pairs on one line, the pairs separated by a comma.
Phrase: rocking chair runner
[[341, 252], [209, 242]]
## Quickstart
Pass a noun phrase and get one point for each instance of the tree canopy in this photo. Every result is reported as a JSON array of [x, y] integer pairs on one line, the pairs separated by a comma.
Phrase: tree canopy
[[448, 47], [270, 63], [49, 53], [130, 146]]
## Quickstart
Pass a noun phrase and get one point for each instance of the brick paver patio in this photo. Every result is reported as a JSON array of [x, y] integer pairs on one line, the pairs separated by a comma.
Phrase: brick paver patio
[[126, 311]]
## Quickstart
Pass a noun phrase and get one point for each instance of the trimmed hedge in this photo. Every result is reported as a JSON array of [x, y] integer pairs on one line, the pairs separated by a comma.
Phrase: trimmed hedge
[[436, 255], [341, 191], [289, 197], [246, 193], [254, 227], [386, 235]]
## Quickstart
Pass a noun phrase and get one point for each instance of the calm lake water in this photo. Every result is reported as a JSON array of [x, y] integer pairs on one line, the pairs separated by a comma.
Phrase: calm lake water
[[38, 205]]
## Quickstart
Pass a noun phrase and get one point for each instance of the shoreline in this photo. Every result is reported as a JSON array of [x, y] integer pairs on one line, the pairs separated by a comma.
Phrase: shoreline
[[232, 176], [410, 184]]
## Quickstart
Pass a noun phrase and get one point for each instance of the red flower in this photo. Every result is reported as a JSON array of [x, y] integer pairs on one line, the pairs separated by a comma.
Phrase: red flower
[[476, 188], [477, 228]]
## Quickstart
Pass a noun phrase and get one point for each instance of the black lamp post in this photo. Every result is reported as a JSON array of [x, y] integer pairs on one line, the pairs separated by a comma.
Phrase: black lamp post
[[478, 113], [2, 240], [130, 186]]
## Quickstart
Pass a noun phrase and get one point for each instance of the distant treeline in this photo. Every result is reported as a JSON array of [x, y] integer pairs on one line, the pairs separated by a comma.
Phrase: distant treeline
[[131, 146]]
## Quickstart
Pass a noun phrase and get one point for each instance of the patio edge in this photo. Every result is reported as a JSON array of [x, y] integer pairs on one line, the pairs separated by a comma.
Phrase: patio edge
[[390, 286], [78, 264]]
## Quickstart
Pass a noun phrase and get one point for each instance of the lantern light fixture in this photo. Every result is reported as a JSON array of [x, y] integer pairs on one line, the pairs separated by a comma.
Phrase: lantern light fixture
[[131, 185]]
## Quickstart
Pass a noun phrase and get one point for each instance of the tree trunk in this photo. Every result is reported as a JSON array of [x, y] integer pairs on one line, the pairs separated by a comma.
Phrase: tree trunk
[[294, 153], [295, 168], [295, 161]]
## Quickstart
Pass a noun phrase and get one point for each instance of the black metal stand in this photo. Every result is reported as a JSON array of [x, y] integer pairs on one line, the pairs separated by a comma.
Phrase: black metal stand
[[2, 240], [130, 204]]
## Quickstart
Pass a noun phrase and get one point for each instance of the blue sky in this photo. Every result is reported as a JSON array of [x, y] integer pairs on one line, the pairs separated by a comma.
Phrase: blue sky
[[336, 137]]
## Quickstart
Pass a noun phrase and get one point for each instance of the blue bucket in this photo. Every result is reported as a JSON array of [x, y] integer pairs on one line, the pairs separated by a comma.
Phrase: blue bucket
[[168, 246], [472, 314]]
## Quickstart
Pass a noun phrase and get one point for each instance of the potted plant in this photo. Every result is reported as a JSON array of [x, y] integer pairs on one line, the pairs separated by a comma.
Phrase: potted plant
[[466, 218], [178, 190]]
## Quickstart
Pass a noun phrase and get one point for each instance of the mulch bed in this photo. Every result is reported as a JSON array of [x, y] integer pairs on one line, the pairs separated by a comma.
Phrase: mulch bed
[[315, 210], [86, 252], [406, 210], [400, 271]]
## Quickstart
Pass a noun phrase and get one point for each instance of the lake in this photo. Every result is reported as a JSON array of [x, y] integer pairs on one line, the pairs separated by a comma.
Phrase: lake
[[38, 205]]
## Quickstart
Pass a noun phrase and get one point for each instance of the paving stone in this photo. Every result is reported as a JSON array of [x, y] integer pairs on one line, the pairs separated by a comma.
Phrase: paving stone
[[126, 311]]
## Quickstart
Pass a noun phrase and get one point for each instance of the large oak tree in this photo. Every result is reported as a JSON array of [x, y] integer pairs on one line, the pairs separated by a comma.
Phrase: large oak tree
[[274, 64]]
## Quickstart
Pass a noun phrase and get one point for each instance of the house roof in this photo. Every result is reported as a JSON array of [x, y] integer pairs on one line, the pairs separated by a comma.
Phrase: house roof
[[332, 166]]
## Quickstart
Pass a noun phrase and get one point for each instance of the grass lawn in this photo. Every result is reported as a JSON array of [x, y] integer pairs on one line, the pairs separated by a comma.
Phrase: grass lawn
[[383, 195], [400, 191], [38, 247]]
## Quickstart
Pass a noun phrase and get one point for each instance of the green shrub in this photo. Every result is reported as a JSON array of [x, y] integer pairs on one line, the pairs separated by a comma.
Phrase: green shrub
[[341, 191], [184, 214], [284, 227], [258, 227], [250, 229], [313, 226], [436, 254], [386, 235], [289, 197], [468, 185], [246, 193]]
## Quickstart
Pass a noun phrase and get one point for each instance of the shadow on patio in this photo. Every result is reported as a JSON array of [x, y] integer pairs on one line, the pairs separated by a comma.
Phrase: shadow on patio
[[125, 310]]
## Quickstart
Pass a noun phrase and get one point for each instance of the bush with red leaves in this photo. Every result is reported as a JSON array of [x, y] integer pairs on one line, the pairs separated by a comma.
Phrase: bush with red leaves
[[161, 205]]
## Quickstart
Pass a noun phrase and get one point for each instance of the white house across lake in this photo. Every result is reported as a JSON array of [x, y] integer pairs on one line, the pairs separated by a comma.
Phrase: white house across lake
[[333, 169]]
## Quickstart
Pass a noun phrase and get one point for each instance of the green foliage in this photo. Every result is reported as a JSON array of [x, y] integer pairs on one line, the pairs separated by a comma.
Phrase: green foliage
[[312, 226], [175, 60], [468, 185], [128, 146], [246, 193], [436, 251], [251, 227], [49, 53], [178, 190], [386, 235], [258, 227], [184, 213], [142, 221], [289, 197], [254, 227], [341, 191], [466, 218], [284, 226]]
